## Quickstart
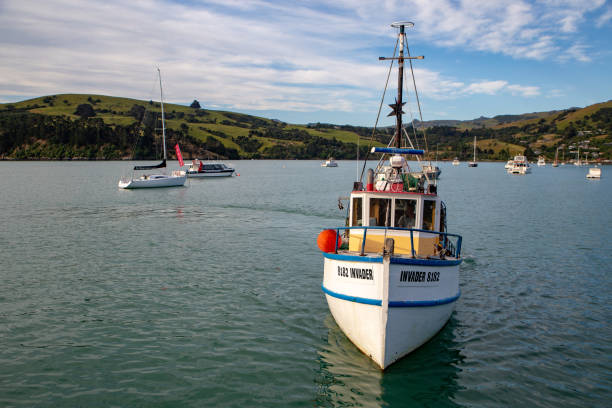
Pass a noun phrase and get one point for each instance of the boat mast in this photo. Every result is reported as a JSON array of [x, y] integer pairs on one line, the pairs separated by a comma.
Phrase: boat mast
[[399, 103], [161, 96], [474, 149]]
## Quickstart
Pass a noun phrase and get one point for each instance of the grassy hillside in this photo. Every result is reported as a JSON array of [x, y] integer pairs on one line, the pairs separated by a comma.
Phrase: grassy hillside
[[200, 132], [106, 127]]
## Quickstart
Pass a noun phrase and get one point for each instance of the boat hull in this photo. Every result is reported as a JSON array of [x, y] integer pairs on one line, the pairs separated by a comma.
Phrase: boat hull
[[390, 308], [227, 173], [153, 182]]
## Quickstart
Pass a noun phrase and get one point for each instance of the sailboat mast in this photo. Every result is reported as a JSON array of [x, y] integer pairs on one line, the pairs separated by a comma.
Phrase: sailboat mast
[[161, 97], [474, 148], [400, 86]]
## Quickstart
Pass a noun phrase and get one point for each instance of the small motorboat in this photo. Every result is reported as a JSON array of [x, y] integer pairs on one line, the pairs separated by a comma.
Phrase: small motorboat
[[330, 163], [199, 168], [594, 173]]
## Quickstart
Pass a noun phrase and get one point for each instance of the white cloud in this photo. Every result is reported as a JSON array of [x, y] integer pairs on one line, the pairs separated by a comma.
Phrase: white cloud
[[604, 18], [485, 87], [264, 54]]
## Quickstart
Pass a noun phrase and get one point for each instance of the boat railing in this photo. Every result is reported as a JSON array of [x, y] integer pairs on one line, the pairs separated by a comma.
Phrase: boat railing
[[446, 246]]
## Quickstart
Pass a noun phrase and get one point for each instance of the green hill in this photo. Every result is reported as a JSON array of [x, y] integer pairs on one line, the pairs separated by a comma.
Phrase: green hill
[[52, 127], [98, 127]]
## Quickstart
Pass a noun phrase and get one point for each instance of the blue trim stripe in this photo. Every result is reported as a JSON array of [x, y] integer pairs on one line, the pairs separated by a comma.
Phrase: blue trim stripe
[[394, 260], [426, 262], [425, 303], [355, 299], [377, 302], [354, 258]]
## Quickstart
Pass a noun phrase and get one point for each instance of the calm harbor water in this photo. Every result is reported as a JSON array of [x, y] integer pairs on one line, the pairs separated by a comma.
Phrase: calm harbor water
[[210, 295]]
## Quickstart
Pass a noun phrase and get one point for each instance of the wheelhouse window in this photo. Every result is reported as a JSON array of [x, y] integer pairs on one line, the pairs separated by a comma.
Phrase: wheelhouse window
[[380, 212], [405, 213], [356, 216], [429, 214]]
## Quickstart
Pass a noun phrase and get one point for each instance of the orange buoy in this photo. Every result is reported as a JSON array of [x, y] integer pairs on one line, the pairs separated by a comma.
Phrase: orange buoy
[[327, 240]]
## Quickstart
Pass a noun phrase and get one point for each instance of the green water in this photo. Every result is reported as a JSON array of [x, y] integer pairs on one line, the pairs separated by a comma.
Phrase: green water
[[210, 295]]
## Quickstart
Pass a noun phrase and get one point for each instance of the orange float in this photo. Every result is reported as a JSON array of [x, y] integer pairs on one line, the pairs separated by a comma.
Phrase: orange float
[[327, 240]]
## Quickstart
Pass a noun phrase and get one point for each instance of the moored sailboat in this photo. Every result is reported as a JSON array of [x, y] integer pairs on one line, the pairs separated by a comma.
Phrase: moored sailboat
[[556, 161], [392, 282], [474, 163], [175, 179]]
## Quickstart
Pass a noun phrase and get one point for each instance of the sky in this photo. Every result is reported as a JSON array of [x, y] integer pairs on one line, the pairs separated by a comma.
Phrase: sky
[[312, 61]]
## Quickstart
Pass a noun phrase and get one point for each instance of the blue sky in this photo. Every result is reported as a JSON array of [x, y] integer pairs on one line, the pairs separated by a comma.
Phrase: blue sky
[[312, 61]]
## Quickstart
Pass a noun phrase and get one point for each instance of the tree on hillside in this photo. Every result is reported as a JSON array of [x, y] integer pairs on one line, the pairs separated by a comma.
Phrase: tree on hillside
[[85, 111], [195, 104]]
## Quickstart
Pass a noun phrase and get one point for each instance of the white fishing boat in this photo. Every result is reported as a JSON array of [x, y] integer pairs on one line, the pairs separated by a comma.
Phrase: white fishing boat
[[201, 168], [474, 163], [541, 161], [329, 163], [456, 161], [594, 173], [391, 278], [520, 165], [176, 178]]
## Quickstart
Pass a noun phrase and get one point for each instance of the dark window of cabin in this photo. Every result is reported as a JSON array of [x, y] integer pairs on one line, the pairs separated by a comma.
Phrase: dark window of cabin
[[356, 217], [380, 212], [405, 213], [429, 214]]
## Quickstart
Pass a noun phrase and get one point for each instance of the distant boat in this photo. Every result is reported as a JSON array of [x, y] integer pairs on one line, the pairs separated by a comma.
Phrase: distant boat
[[594, 173], [519, 165], [431, 171], [456, 162], [578, 162], [508, 164], [199, 168], [474, 163], [541, 161], [176, 179], [330, 163]]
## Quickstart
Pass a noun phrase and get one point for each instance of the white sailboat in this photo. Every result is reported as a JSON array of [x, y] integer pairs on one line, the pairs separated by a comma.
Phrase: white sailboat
[[392, 282], [175, 179], [474, 163], [556, 161]]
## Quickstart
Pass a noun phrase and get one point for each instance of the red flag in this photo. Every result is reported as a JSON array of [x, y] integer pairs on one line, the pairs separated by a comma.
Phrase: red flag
[[179, 156]]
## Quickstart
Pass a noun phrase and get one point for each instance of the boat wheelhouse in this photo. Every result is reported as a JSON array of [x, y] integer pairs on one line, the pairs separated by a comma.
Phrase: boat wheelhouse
[[391, 276]]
